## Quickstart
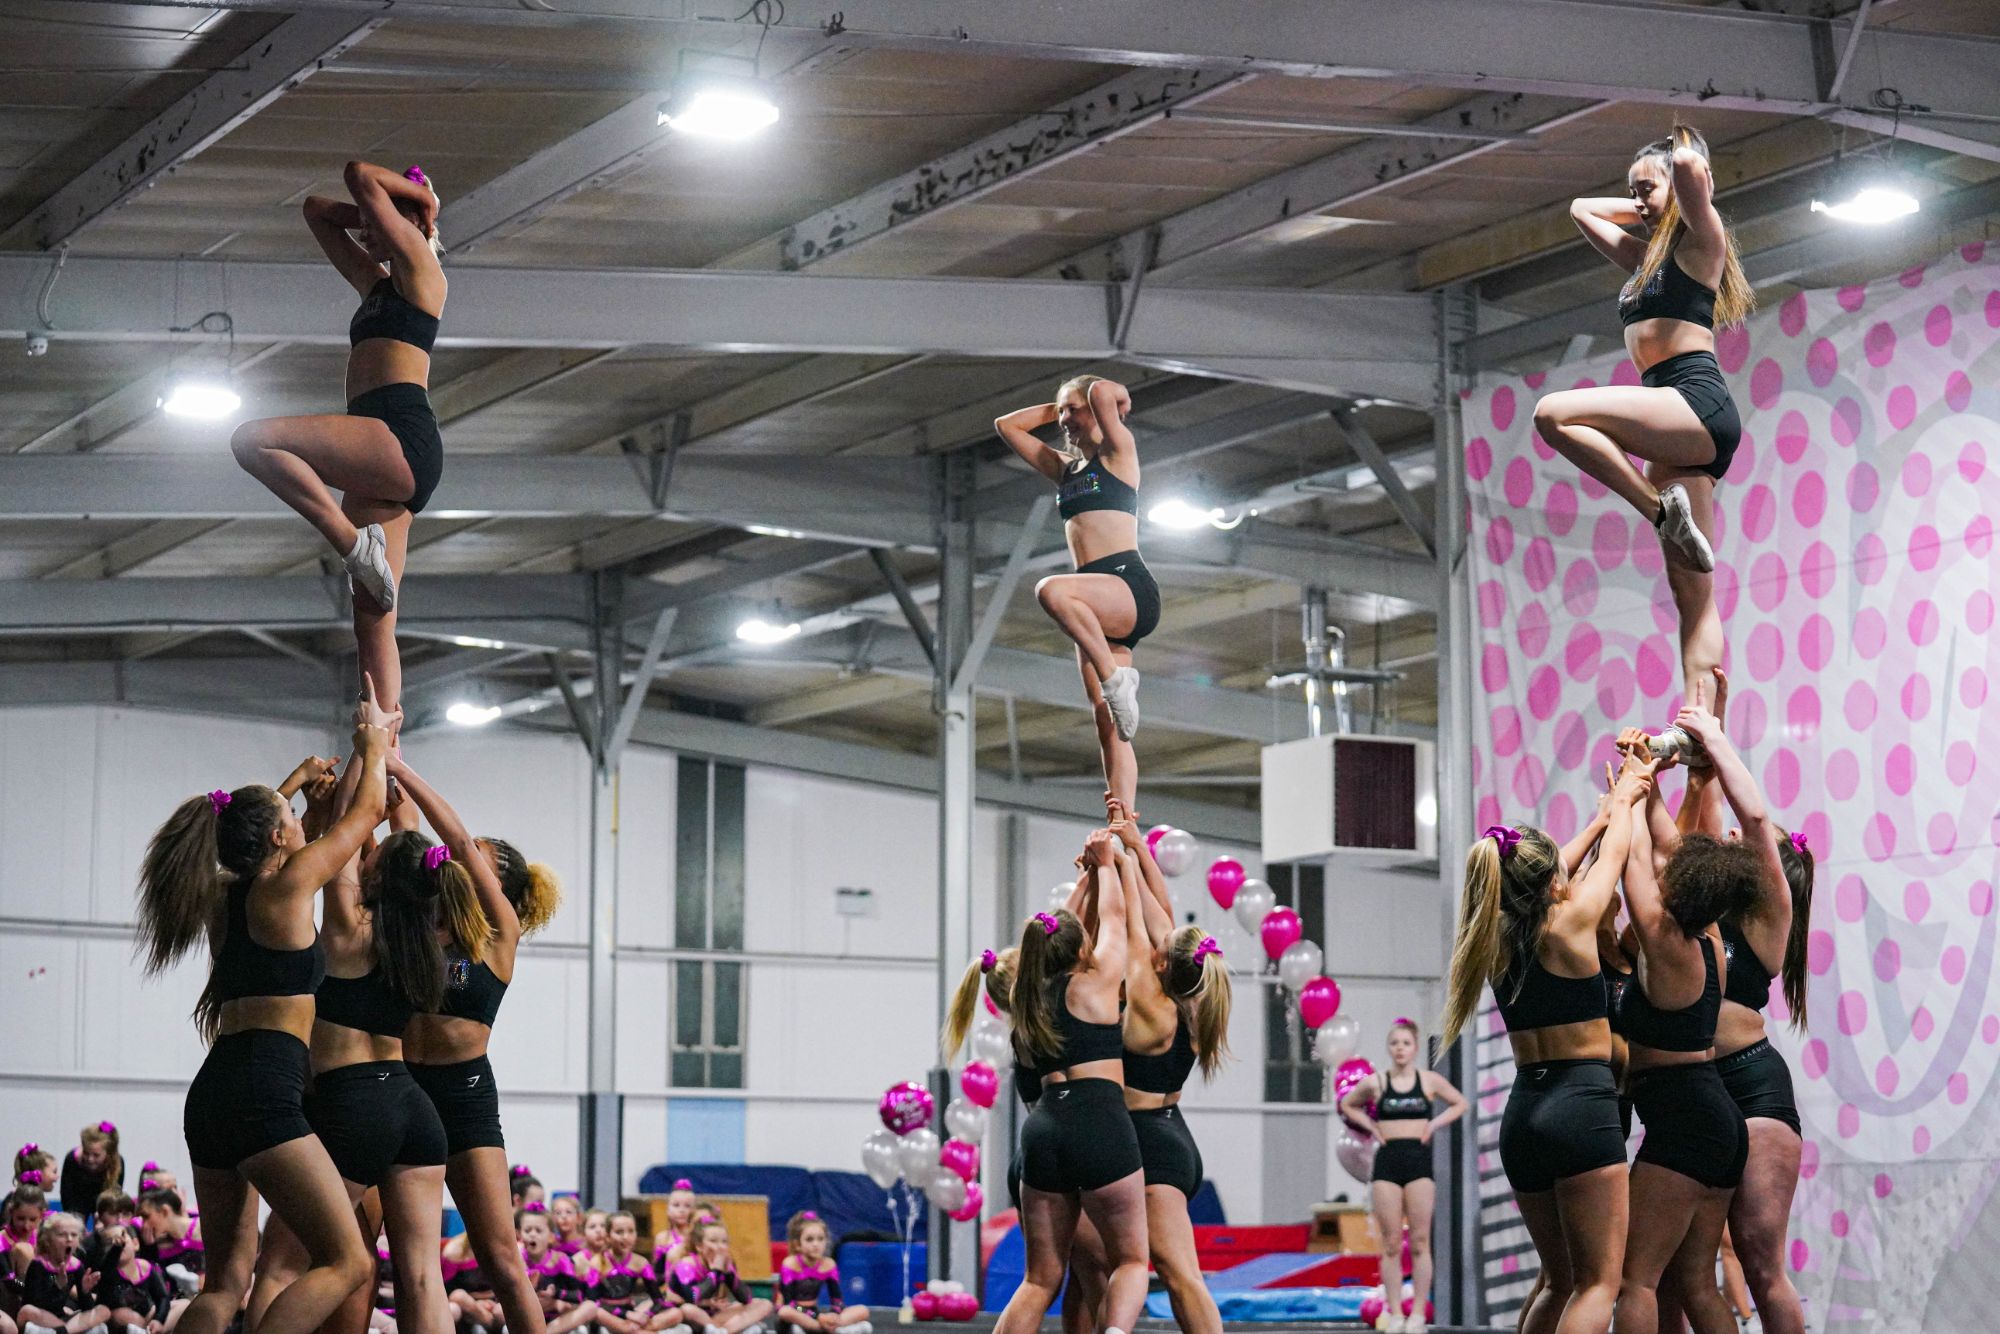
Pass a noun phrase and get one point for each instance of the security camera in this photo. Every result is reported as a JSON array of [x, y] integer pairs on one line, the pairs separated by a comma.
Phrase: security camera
[[37, 344]]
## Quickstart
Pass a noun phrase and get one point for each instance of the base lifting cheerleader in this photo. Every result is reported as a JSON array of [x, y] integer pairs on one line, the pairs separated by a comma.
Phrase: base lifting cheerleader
[[235, 870], [446, 1051], [1402, 1188], [1079, 1153], [1527, 927], [1111, 602], [1686, 280]]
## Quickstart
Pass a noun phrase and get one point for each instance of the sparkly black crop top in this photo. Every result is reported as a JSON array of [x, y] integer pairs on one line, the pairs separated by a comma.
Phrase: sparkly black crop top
[[387, 313], [1669, 294]]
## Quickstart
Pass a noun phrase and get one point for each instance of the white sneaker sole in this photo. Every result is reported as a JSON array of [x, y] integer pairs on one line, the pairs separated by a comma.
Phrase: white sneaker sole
[[1677, 529]]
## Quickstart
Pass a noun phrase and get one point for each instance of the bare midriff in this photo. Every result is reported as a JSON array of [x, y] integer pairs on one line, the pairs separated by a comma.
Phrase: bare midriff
[[1585, 1040], [439, 1039], [375, 362], [280, 1014], [1138, 1100], [1095, 534], [1650, 342], [335, 1046], [1111, 1070], [1737, 1027]]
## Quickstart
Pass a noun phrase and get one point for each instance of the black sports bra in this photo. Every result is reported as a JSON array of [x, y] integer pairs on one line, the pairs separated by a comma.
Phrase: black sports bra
[[1162, 1072], [1543, 999], [471, 991], [1615, 982], [1080, 1042], [1669, 294], [367, 1003], [387, 313], [245, 968], [1088, 485], [1745, 980], [1690, 1029], [1394, 1104]]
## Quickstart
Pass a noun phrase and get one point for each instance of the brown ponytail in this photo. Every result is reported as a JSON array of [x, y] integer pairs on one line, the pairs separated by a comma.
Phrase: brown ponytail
[[1044, 956], [210, 842], [406, 897], [1798, 861], [1734, 297]]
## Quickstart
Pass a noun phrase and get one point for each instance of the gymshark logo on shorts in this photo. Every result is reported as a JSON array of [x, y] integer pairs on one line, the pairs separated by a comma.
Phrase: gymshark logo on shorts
[[381, 1075], [472, 1081], [1062, 1093]]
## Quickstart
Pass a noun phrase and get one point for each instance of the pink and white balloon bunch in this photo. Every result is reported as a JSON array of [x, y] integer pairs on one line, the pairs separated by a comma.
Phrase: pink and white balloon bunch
[[907, 1149], [1299, 961]]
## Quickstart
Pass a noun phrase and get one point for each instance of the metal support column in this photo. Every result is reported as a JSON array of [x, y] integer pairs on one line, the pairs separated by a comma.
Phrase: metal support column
[[600, 1117], [954, 1249], [1015, 892], [1460, 1294]]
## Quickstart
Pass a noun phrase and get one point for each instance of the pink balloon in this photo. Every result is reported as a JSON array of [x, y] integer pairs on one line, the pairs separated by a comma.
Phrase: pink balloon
[[960, 1158], [906, 1107], [924, 1305], [965, 1213], [1319, 1001], [1430, 1308], [1154, 835], [980, 1083], [1371, 1308], [1225, 877], [1281, 928]]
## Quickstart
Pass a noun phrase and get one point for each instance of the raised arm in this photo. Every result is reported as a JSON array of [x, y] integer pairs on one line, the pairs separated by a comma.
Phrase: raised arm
[[1603, 223], [1156, 905], [1613, 854], [1643, 900], [1694, 191], [378, 192], [451, 831], [1018, 430], [309, 869], [1108, 952], [304, 773], [1109, 402], [1574, 851], [1740, 790], [332, 221]]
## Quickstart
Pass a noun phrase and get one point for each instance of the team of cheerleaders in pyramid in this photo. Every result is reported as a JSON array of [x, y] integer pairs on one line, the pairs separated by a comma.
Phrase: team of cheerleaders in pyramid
[[348, 1065]]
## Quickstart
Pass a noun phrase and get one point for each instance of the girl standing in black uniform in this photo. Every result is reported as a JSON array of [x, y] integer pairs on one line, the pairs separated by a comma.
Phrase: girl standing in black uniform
[[385, 452], [446, 1050], [1686, 280], [1528, 927], [1079, 1153], [1111, 602], [234, 870], [1402, 1187], [1695, 1143]]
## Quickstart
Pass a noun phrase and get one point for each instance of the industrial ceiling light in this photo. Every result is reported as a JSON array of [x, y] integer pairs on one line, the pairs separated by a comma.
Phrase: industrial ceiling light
[[202, 397], [757, 630], [467, 714], [1184, 516], [713, 105], [1870, 203]]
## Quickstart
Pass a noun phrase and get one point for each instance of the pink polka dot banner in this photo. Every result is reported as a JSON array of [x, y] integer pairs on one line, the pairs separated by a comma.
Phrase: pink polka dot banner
[[1855, 576]]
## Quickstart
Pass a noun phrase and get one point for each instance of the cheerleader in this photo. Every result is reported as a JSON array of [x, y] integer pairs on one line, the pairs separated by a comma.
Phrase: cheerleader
[[566, 1220], [467, 1287], [56, 1290], [524, 1187], [93, 1166], [225, 868], [169, 1235], [711, 1293], [670, 1246], [807, 1273], [130, 1287], [26, 1205], [1402, 1187], [34, 1166], [446, 1050], [593, 1244], [114, 1210], [626, 1289], [564, 1303]]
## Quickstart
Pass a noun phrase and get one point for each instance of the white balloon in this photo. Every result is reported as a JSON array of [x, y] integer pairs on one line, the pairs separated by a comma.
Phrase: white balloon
[[946, 1190], [1299, 964], [1253, 901], [1059, 896], [992, 1044], [966, 1120], [878, 1158], [1176, 851], [1356, 1155], [917, 1155], [1336, 1040]]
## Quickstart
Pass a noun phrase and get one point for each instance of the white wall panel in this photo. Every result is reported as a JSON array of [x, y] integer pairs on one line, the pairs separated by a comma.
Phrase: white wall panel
[[835, 1030], [646, 813], [644, 986], [48, 801], [819, 1136], [542, 1132], [42, 995], [539, 1042], [51, 1112], [645, 1139], [133, 1025]]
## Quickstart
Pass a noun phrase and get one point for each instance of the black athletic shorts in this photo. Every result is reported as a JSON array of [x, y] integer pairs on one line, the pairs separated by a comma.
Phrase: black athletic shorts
[[248, 1096], [1697, 378], [1127, 566], [1167, 1150], [1692, 1126], [406, 410], [1401, 1161], [1760, 1083], [1561, 1121], [372, 1116], [467, 1101], [1079, 1137]]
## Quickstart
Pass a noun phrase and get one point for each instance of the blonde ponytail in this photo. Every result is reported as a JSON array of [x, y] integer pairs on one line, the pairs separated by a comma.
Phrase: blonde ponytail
[[1475, 957]]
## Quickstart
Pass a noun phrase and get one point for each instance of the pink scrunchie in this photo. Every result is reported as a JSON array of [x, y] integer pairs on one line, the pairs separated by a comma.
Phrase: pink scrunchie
[[435, 856]]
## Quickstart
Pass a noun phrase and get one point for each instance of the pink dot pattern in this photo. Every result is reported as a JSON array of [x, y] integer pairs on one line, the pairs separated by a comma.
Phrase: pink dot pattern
[[1855, 577]]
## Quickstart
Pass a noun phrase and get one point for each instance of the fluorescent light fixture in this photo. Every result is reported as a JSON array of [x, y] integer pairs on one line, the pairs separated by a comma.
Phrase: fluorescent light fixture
[[202, 399], [719, 106], [1182, 516], [757, 630], [467, 714], [1871, 205], [471, 641]]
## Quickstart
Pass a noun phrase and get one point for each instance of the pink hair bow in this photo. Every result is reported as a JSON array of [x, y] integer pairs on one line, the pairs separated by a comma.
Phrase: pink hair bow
[[416, 173], [1799, 844], [106, 1128], [534, 1207], [218, 799], [809, 1216], [684, 1184], [1206, 948], [519, 1170], [150, 1166], [1049, 922], [435, 856], [988, 960], [1508, 839], [28, 1148], [31, 1177]]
